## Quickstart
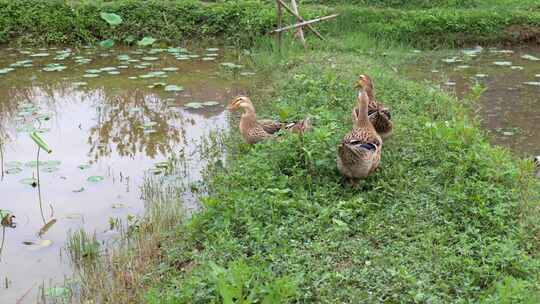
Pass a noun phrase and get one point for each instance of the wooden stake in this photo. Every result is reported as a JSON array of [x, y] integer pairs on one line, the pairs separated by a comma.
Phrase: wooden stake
[[299, 31], [301, 19], [304, 23], [279, 19]]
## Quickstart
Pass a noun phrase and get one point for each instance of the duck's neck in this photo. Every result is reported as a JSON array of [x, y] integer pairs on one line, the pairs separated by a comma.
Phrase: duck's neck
[[369, 92], [362, 115], [249, 118]]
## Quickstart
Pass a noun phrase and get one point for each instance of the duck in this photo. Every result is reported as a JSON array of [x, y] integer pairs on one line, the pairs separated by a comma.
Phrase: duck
[[359, 152], [379, 115], [254, 131]]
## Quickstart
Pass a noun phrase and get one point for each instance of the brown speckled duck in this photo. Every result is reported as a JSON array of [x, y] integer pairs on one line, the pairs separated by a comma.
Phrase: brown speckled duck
[[254, 130], [359, 153], [378, 114]]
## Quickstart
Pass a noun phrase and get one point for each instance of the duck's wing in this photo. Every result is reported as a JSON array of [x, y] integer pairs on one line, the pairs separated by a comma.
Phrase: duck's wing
[[270, 126]]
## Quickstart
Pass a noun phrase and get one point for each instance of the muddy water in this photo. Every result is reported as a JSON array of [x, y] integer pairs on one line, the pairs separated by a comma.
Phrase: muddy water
[[510, 106], [106, 133]]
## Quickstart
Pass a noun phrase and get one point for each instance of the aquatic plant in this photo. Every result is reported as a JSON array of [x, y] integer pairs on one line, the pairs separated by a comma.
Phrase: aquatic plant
[[41, 144]]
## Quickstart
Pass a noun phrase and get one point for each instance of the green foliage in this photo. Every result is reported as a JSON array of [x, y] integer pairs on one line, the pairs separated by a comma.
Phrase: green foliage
[[442, 221], [59, 21], [443, 27]]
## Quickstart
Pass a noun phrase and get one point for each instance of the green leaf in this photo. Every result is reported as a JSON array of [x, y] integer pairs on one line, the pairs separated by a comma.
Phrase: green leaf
[[95, 179], [40, 142], [111, 18], [146, 41]]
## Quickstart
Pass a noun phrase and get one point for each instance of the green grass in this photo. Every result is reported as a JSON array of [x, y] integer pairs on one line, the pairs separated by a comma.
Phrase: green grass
[[242, 22], [447, 219]]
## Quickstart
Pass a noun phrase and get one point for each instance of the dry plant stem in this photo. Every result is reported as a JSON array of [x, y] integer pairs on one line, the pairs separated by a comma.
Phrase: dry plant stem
[[299, 31], [3, 238], [2, 161], [279, 22], [300, 18], [39, 188], [304, 23]]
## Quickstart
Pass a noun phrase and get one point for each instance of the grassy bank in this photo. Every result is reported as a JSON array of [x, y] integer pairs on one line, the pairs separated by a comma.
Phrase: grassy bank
[[242, 22], [447, 218]]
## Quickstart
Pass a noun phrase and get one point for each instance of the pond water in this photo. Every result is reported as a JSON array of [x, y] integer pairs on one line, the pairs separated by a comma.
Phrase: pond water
[[110, 117], [510, 106]]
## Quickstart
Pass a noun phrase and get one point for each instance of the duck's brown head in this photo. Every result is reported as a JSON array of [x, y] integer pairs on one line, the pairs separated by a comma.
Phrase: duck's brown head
[[364, 83], [240, 102]]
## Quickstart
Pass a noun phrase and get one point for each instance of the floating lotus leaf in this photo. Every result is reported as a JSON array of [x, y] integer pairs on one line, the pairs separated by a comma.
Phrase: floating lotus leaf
[[250, 73], [194, 56], [38, 244], [90, 75], [40, 55], [111, 18], [33, 163], [54, 67], [502, 63], [81, 189], [113, 72], [83, 166], [95, 179], [452, 60], [29, 181], [530, 57], [106, 44], [108, 69], [157, 85], [14, 170], [13, 164], [212, 49], [516, 67], [481, 75], [79, 84], [146, 41], [210, 103], [150, 58], [170, 69], [6, 70], [533, 83], [123, 57], [49, 169], [208, 58], [123, 67], [173, 88], [212, 55], [193, 105]]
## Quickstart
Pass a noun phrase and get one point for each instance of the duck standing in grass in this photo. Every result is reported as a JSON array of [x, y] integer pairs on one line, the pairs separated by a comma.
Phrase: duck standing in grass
[[378, 114], [254, 130], [359, 153]]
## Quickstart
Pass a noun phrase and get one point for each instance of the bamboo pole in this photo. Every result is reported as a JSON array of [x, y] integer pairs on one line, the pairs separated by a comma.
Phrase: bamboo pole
[[279, 30], [279, 21], [299, 31], [300, 18]]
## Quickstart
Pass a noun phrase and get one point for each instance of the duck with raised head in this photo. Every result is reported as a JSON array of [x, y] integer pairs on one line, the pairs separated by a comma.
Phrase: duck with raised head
[[359, 153], [254, 131], [378, 114]]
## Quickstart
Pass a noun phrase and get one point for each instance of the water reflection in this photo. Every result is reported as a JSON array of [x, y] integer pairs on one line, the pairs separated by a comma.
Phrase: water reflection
[[105, 133], [509, 108]]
